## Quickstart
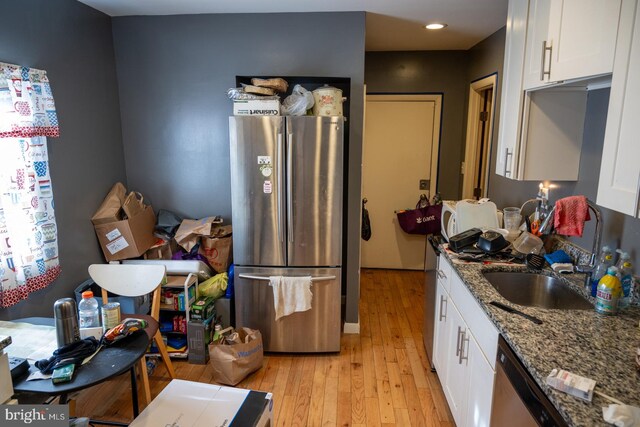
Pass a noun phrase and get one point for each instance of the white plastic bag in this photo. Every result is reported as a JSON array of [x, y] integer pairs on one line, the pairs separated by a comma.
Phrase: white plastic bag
[[298, 102]]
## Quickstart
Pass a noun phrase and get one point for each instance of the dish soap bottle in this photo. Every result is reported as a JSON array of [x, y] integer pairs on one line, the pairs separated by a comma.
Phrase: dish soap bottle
[[625, 274], [609, 292], [605, 261]]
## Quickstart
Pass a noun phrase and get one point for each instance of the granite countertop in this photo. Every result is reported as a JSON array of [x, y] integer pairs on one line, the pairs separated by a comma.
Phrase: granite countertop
[[580, 341]]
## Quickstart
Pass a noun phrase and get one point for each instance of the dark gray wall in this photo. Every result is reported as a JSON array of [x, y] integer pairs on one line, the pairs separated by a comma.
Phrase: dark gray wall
[[73, 43], [173, 73], [620, 231], [422, 72]]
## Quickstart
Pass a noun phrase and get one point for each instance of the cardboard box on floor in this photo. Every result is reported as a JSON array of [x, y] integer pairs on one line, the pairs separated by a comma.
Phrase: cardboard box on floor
[[120, 237]]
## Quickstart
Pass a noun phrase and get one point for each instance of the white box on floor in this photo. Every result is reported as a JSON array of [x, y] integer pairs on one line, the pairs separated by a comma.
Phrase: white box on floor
[[192, 404]]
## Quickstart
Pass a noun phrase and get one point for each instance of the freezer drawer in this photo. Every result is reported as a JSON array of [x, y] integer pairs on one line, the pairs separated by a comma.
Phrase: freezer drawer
[[316, 330]]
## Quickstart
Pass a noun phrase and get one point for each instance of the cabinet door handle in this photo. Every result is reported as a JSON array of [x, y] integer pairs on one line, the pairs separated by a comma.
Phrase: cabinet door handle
[[458, 342], [507, 154], [441, 274], [545, 48], [443, 315], [462, 356]]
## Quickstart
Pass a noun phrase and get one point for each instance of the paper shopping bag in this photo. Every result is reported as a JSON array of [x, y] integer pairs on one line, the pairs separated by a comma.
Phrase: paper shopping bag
[[231, 363]]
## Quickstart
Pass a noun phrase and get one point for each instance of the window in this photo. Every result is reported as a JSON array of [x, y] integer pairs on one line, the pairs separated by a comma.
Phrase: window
[[28, 232]]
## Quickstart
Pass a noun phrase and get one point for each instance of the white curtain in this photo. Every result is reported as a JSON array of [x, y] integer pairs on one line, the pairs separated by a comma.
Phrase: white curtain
[[28, 232]]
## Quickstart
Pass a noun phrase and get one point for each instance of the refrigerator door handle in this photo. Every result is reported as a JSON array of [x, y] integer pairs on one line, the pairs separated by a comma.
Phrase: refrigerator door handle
[[279, 154], [266, 278], [290, 186]]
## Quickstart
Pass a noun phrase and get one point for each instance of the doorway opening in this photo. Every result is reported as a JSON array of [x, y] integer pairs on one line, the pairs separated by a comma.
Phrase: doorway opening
[[400, 163], [477, 156]]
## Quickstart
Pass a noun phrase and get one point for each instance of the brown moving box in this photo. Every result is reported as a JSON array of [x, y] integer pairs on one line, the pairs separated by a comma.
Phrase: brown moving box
[[111, 208], [128, 238]]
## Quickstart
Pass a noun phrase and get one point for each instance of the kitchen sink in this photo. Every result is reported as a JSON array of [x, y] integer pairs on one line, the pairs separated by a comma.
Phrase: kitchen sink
[[536, 290]]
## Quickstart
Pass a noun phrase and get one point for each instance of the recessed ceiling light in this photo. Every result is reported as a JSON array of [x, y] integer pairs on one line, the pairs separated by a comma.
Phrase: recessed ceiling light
[[435, 26]]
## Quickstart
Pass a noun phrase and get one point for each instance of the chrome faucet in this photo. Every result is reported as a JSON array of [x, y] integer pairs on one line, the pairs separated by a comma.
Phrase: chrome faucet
[[546, 226]]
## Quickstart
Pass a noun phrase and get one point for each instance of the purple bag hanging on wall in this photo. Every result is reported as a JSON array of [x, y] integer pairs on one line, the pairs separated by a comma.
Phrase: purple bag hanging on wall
[[421, 220]]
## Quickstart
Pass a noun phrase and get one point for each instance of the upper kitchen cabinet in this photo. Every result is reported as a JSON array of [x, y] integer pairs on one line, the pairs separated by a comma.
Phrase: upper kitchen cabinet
[[511, 103], [619, 184], [569, 40], [551, 41]]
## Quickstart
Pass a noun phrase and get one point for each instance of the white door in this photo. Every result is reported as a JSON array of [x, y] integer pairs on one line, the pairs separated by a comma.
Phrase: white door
[[400, 151]]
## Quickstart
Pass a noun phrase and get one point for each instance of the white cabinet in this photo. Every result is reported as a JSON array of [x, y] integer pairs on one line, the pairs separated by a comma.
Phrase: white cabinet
[[537, 44], [455, 385], [465, 347], [569, 39], [440, 336], [481, 379], [511, 98], [618, 187], [541, 124]]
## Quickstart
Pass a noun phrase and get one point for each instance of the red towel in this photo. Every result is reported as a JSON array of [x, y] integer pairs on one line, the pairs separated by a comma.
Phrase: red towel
[[570, 215]]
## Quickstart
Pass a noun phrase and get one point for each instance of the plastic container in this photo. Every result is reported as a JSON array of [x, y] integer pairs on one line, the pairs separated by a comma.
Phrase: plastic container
[[625, 274], [609, 293], [88, 311], [527, 243], [605, 261], [511, 218]]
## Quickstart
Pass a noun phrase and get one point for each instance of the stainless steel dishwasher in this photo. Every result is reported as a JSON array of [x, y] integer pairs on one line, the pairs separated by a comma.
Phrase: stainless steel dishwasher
[[430, 278], [516, 396]]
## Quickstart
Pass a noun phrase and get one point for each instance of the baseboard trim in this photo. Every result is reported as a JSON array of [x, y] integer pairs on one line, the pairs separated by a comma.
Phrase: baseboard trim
[[351, 328]]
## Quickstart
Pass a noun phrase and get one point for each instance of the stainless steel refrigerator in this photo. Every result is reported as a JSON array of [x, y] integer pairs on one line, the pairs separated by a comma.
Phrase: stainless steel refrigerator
[[286, 195]]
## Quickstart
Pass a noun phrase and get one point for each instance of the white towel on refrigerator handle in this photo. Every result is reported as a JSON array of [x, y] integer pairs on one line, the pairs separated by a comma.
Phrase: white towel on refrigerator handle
[[290, 294]]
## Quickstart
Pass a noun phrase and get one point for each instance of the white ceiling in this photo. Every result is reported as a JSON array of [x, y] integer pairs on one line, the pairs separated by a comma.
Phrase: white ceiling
[[391, 24]]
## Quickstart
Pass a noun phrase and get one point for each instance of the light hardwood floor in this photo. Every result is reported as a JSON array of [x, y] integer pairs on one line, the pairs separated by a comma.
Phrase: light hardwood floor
[[380, 377]]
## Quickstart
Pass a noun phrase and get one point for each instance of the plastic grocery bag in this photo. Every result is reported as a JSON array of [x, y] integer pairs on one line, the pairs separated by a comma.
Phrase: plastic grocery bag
[[214, 287], [298, 102]]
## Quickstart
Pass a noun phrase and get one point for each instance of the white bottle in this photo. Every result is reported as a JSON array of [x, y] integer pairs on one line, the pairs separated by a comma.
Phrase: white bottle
[[88, 311]]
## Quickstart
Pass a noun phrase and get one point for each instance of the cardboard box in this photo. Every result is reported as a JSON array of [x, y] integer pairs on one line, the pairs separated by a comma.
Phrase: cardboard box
[[128, 238], [198, 348], [193, 404], [203, 308], [256, 107]]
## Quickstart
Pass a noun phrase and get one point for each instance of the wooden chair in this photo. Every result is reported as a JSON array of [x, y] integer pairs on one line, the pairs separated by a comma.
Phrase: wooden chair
[[133, 281]]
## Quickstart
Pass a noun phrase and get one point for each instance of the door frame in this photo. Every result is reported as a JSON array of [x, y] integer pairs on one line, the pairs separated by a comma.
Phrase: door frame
[[473, 127], [437, 124]]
